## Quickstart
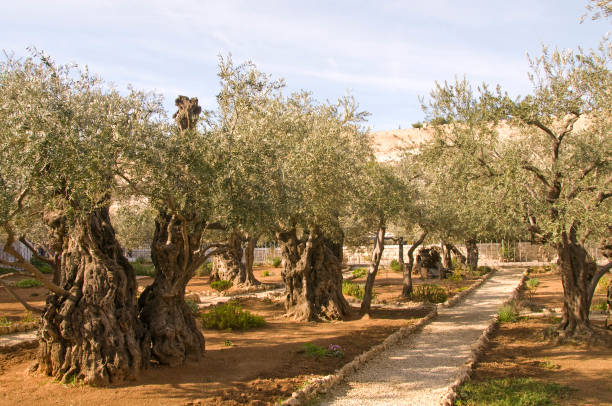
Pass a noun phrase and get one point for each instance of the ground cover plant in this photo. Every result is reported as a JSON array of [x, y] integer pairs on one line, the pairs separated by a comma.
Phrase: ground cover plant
[[221, 286], [231, 316], [511, 392], [431, 293]]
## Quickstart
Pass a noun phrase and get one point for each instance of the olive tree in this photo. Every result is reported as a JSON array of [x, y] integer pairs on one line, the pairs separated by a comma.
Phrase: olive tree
[[59, 127], [556, 167]]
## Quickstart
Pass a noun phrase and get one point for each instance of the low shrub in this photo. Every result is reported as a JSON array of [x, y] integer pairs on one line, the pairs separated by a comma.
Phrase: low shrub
[[276, 262], [221, 286], [231, 316], [266, 273], [42, 266], [141, 269], [359, 272], [353, 289], [431, 293], [508, 313], [418, 124], [395, 266], [510, 392], [28, 283], [456, 276]]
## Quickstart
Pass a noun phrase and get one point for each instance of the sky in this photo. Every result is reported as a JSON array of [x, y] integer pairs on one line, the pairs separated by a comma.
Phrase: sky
[[386, 53]]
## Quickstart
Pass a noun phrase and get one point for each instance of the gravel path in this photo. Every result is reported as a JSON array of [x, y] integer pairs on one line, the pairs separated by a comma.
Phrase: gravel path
[[418, 370]]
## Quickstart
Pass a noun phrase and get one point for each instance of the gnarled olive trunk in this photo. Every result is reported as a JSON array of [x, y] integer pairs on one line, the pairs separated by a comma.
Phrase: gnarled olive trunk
[[229, 266], [312, 276], [175, 336], [472, 254], [446, 249], [379, 246], [93, 334]]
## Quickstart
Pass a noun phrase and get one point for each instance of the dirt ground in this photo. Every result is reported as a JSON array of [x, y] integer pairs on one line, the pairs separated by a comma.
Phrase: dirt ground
[[257, 367], [522, 349]]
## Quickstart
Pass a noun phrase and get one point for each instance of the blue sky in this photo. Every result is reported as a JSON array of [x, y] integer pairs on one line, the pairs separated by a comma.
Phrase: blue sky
[[385, 53]]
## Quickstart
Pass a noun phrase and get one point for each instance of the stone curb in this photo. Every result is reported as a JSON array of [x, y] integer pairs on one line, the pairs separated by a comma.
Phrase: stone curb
[[324, 384], [28, 343], [18, 327], [478, 350]]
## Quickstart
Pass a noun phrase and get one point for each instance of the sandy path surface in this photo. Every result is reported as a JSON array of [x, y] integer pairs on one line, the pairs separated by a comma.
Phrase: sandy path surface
[[419, 369]]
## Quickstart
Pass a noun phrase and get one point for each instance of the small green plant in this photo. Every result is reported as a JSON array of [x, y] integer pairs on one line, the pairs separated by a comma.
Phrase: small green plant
[[532, 284], [511, 392], [461, 289], [431, 293], [221, 286], [315, 351], [483, 270], [28, 283], [228, 343], [548, 364], [395, 266], [418, 124], [276, 262], [143, 269], [42, 266], [599, 307], [4, 322], [456, 276], [231, 316], [71, 380], [359, 272], [355, 290], [192, 306], [266, 273], [508, 314]]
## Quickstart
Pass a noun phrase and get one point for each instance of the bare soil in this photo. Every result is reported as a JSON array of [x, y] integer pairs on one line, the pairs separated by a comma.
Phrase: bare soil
[[256, 367], [522, 349]]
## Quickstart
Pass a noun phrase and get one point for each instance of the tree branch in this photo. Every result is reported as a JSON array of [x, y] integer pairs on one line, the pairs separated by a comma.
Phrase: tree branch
[[25, 242], [597, 276], [19, 299], [537, 172]]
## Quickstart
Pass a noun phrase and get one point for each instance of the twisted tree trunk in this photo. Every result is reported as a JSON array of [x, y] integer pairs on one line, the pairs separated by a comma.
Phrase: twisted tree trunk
[[446, 249], [472, 254], [312, 276], [379, 246], [175, 336], [93, 334], [229, 266]]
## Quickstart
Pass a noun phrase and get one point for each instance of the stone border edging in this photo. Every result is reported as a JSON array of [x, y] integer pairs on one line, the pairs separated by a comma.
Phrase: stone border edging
[[323, 384], [478, 349], [29, 343], [18, 327]]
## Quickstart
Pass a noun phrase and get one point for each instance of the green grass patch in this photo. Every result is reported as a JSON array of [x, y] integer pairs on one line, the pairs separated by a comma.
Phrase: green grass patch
[[231, 316], [276, 262], [431, 293], [266, 273], [28, 283], [457, 275], [221, 286], [4, 322], [508, 313], [483, 270], [141, 269], [511, 392], [359, 272], [599, 307]]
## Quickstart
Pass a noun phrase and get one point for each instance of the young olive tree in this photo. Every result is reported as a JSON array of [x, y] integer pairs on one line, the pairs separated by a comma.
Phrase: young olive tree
[[59, 128], [381, 198]]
